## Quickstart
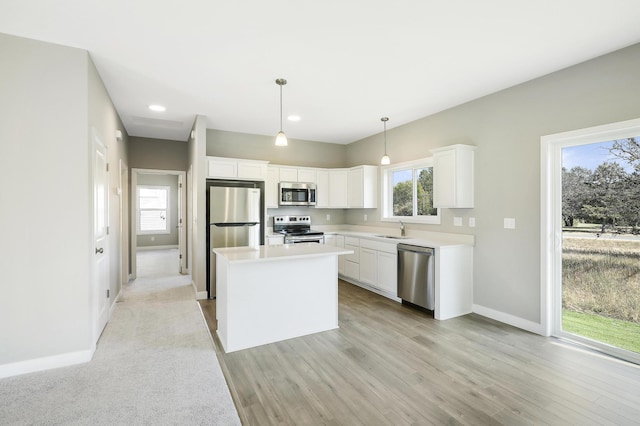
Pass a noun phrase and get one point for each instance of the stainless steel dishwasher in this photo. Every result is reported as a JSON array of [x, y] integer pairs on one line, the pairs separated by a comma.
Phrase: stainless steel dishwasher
[[416, 275]]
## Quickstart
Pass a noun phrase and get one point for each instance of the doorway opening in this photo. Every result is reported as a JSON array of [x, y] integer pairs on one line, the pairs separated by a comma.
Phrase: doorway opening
[[158, 223], [591, 242]]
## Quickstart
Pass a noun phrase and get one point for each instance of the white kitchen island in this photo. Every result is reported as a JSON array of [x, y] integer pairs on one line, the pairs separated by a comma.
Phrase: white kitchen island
[[270, 293]]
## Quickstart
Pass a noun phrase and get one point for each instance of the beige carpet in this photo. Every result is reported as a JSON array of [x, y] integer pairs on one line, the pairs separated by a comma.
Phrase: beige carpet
[[155, 364]]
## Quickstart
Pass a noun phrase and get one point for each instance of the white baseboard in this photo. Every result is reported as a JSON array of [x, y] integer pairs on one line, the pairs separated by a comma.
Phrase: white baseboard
[[46, 363], [200, 295], [143, 248], [518, 322], [113, 305]]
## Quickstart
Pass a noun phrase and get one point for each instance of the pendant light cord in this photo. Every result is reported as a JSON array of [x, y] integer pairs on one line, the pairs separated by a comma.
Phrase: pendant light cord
[[280, 107]]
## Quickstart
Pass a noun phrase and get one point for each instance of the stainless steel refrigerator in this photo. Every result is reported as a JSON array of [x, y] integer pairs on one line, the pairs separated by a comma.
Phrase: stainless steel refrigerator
[[234, 221]]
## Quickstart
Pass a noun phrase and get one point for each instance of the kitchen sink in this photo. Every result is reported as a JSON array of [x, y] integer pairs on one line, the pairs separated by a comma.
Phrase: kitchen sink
[[393, 237]]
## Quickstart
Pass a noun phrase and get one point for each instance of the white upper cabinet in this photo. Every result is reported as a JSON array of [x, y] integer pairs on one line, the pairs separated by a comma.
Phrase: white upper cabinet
[[288, 174], [338, 189], [235, 168], [356, 187], [271, 187], [297, 174], [363, 187], [453, 176], [322, 188], [307, 175]]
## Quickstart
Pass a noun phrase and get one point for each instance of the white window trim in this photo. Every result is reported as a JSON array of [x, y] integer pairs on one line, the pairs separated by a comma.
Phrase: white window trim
[[168, 228], [386, 193]]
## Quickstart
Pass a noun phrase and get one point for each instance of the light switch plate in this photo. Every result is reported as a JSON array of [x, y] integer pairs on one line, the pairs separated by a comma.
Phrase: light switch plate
[[472, 222], [509, 223], [457, 221]]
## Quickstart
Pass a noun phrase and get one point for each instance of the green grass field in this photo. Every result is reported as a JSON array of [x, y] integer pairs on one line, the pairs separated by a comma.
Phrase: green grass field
[[601, 290], [623, 334]]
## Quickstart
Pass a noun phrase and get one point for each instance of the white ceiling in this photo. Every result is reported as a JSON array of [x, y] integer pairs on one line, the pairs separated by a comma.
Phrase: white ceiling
[[347, 62]]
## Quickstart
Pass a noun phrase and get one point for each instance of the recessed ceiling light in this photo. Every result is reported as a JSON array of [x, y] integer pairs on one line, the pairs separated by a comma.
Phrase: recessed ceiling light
[[157, 108], [293, 118]]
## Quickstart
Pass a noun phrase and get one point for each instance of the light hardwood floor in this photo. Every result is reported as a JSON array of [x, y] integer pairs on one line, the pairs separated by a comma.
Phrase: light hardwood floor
[[389, 364]]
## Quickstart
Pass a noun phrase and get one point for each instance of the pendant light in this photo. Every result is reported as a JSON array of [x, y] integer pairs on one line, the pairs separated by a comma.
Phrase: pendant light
[[385, 159], [281, 138]]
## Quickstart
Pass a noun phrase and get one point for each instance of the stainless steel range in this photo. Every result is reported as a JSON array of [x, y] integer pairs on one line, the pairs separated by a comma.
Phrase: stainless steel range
[[297, 229]]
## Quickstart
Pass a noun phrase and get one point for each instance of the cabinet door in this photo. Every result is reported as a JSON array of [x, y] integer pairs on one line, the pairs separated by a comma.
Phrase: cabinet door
[[368, 266], [352, 270], [355, 188], [221, 168], [271, 187], [444, 177], [288, 174], [338, 188], [453, 176], [250, 170], [306, 175], [322, 188], [388, 272]]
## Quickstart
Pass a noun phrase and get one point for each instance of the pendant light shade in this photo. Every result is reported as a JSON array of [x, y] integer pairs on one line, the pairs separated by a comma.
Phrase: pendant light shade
[[281, 138], [385, 158]]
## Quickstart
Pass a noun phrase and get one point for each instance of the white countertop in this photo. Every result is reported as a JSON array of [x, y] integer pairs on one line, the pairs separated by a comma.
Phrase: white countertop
[[437, 241], [280, 252]]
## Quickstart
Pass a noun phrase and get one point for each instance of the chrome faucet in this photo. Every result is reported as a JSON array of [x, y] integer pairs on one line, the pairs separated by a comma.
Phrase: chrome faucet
[[401, 229]]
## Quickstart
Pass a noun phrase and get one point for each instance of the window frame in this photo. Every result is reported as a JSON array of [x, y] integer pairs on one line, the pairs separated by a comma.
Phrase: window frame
[[386, 196], [167, 229]]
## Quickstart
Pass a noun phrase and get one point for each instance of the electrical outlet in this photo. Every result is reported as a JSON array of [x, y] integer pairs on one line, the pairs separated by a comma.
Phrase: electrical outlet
[[472, 222], [365, 217], [328, 216], [457, 221], [509, 223], [153, 238]]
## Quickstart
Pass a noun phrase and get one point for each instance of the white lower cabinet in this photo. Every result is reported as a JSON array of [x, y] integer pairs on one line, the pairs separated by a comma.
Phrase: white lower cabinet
[[379, 265], [373, 264], [388, 272], [341, 260], [368, 266], [352, 261]]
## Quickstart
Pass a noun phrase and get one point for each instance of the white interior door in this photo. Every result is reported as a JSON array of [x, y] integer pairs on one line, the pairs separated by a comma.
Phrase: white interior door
[[100, 234]]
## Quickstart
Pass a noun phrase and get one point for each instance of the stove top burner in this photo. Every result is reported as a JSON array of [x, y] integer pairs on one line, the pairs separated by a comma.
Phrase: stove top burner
[[297, 232], [294, 226]]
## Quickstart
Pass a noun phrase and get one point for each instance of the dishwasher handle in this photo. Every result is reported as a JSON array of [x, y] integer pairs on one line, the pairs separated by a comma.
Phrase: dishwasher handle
[[416, 249]]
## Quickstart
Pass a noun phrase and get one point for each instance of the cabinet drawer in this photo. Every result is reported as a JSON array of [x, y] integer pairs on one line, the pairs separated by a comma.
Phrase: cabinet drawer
[[352, 241], [355, 256], [379, 246]]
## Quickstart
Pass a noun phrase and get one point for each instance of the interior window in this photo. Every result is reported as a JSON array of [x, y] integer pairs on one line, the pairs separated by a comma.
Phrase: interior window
[[153, 209], [408, 192]]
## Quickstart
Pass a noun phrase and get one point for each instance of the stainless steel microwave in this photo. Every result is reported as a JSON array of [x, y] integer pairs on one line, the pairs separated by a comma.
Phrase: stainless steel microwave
[[297, 194]]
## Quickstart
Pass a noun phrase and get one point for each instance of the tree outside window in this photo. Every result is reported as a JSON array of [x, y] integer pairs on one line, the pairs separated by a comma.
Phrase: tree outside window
[[409, 194]]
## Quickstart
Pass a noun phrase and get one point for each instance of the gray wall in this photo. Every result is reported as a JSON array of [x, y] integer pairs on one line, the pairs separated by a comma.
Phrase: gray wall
[[160, 154], [258, 147], [51, 98], [171, 239], [506, 128]]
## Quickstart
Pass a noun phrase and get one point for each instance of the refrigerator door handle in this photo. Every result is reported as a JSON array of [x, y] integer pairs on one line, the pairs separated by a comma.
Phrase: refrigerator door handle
[[231, 224]]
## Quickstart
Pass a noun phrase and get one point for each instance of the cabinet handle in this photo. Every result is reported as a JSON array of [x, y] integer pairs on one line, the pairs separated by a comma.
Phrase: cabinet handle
[[99, 250]]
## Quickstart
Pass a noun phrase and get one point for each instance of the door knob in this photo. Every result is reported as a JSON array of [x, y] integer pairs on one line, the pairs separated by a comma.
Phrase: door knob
[[99, 250]]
